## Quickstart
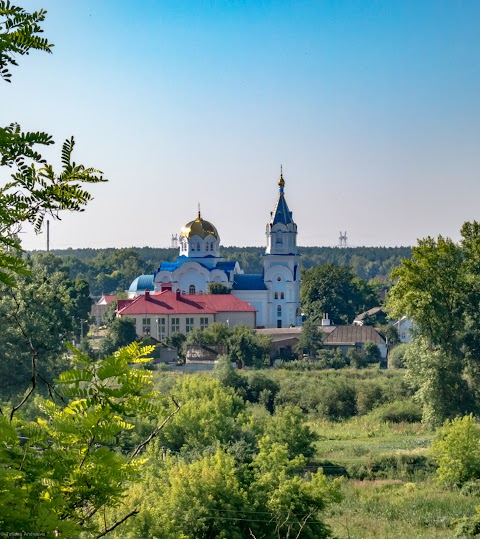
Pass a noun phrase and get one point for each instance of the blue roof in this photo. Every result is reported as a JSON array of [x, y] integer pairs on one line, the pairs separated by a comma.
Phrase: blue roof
[[249, 281], [229, 265], [168, 266], [142, 282], [281, 214]]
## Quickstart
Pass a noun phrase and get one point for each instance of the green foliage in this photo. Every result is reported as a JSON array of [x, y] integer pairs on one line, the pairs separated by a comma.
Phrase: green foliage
[[356, 358], [176, 340], [245, 347], [439, 288], [19, 33], [437, 375], [399, 411], [286, 427], [37, 318], [58, 470], [209, 414], [34, 190], [457, 451], [372, 352], [107, 272], [335, 290], [396, 356], [310, 339], [218, 288]]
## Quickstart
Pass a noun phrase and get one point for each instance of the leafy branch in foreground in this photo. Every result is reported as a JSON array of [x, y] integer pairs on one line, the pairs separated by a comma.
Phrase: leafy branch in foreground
[[58, 471], [19, 32], [33, 189]]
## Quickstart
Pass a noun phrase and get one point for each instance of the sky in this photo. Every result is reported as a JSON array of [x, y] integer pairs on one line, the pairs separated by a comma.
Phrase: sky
[[371, 107]]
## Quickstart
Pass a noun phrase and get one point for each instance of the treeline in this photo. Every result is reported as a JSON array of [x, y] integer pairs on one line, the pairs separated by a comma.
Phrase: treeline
[[112, 270]]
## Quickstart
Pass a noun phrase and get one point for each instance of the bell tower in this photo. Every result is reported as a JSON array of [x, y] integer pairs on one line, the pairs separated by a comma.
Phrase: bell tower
[[281, 265]]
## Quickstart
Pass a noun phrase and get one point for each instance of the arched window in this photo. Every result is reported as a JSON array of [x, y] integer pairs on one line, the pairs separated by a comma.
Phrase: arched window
[[207, 246], [191, 289], [198, 246], [276, 295], [298, 312], [193, 246], [282, 295], [279, 311]]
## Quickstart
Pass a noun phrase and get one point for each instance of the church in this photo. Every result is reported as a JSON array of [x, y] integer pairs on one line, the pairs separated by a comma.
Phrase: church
[[274, 293]]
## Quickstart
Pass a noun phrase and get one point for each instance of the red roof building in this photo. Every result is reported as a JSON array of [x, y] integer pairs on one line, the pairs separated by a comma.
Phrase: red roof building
[[167, 312]]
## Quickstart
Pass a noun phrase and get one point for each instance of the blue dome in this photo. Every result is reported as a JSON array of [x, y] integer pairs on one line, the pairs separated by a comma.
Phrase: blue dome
[[142, 282]]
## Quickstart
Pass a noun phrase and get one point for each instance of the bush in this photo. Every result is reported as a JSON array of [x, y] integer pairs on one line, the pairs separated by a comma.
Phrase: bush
[[356, 358], [396, 357], [400, 411], [457, 451], [369, 395], [406, 466], [337, 401]]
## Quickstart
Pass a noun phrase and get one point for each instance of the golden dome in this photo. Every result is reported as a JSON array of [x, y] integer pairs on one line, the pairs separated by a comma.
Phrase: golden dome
[[199, 227], [281, 181]]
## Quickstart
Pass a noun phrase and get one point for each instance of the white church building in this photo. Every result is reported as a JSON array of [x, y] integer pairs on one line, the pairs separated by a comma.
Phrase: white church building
[[275, 293]]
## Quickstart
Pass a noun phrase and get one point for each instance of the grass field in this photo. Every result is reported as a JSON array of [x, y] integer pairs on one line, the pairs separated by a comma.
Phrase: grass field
[[399, 498]]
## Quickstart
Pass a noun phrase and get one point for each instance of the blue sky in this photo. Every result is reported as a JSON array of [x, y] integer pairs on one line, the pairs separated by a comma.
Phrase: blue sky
[[372, 107]]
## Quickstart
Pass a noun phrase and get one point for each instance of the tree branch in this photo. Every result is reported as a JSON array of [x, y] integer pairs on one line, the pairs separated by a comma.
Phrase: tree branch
[[117, 523], [140, 447], [34, 359]]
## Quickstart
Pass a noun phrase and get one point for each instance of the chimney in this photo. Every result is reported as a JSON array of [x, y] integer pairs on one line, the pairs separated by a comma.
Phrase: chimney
[[147, 295], [177, 294], [325, 320]]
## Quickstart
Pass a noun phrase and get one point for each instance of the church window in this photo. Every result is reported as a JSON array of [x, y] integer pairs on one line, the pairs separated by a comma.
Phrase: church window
[[175, 324], [191, 289], [276, 295], [207, 246], [193, 246], [146, 324], [279, 278], [298, 312], [189, 323], [198, 246], [279, 311], [282, 295]]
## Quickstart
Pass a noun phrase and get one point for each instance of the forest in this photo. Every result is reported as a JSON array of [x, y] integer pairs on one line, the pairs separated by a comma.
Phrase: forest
[[112, 270]]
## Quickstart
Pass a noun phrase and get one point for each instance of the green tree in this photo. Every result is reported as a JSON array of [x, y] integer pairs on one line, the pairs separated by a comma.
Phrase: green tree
[[372, 352], [439, 288], [457, 451], [185, 499], [218, 333], [209, 414], [442, 390], [310, 339], [335, 290], [33, 190], [294, 503], [218, 288], [38, 317], [287, 427], [246, 348], [58, 471], [177, 341]]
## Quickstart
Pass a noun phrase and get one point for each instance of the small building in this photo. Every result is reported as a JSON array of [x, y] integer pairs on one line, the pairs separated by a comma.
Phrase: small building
[[405, 329], [100, 306], [167, 312], [375, 314], [354, 336], [284, 341]]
